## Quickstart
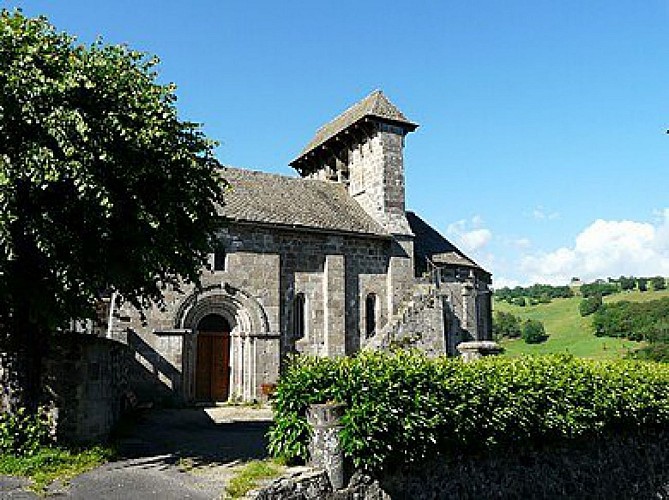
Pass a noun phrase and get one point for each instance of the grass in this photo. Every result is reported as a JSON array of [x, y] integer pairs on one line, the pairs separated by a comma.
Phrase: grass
[[569, 332], [50, 464], [250, 475]]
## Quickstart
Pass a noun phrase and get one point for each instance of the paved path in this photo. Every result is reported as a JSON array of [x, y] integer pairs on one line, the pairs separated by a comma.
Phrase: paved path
[[169, 454]]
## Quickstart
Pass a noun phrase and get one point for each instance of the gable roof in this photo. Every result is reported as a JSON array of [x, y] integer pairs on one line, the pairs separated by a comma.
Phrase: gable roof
[[428, 243], [375, 105], [293, 202]]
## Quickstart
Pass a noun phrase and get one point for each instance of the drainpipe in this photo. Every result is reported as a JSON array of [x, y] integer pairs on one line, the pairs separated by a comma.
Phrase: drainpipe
[[110, 320]]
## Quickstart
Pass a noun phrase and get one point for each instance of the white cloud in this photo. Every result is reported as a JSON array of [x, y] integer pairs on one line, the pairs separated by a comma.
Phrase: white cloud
[[605, 248], [469, 235], [540, 213]]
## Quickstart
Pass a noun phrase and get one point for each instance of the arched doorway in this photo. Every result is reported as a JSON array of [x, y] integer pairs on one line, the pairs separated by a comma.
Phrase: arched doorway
[[212, 366]]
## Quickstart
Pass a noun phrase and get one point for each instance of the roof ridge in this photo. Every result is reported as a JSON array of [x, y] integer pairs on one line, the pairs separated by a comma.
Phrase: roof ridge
[[282, 176], [375, 104]]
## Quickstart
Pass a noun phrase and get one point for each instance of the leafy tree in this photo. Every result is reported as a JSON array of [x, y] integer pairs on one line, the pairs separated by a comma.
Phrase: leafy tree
[[533, 331], [590, 305], [598, 288], [658, 283], [627, 283], [505, 325], [102, 188], [642, 283]]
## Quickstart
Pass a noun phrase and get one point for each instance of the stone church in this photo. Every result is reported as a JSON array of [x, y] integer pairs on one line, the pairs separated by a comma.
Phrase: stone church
[[326, 263]]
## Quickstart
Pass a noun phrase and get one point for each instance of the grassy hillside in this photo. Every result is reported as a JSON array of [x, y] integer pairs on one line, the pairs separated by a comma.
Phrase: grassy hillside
[[568, 331]]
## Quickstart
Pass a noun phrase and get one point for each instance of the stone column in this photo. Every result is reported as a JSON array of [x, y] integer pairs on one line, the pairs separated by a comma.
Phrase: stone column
[[469, 322], [334, 290], [325, 448]]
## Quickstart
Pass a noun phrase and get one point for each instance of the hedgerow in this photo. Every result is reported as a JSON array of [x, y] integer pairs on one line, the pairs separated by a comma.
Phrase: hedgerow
[[403, 407]]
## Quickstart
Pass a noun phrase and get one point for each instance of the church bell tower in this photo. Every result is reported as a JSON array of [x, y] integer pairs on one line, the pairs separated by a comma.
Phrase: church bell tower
[[363, 148]]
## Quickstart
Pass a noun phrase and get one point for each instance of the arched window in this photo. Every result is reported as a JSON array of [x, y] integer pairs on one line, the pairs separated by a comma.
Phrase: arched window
[[370, 315], [219, 259], [299, 316]]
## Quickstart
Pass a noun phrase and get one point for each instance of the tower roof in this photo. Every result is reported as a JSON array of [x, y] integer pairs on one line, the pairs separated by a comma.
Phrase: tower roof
[[375, 105]]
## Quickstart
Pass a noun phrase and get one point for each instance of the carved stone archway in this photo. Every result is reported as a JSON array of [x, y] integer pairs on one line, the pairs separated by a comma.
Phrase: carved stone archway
[[254, 350]]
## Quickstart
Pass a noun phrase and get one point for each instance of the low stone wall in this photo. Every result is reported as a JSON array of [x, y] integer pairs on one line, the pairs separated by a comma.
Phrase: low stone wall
[[618, 465], [86, 380]]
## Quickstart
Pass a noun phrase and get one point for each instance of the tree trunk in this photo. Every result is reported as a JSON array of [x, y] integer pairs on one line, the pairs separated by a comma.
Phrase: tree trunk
[[21, 368], [21, 345]]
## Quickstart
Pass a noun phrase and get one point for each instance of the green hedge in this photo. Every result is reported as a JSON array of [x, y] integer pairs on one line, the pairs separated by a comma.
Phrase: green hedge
[[404, 407]]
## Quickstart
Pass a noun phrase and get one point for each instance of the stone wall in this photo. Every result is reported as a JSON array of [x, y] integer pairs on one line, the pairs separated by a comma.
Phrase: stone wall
[[86, 379], [616, 465], [265, 269]]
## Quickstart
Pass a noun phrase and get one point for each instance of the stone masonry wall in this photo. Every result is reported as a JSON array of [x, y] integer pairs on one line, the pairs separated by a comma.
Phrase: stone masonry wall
[[376, 181], [270, 266], [618, 465], [86, 379]]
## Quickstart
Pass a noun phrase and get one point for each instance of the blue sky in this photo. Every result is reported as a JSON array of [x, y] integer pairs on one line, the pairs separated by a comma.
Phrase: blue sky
[[542, 149]]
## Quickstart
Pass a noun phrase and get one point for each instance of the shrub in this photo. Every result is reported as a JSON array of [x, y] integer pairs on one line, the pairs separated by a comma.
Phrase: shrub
[[403, 407], [23, 434], [505, 325], [533, 332], [520, 301], [590, 305]]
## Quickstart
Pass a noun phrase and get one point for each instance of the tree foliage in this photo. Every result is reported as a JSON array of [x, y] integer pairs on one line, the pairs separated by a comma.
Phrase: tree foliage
[[506, 325], [599, 288], [590, 304], [533, 331], [627, 283], [102, 187], [634, 320], [536, 293], [658, 282]]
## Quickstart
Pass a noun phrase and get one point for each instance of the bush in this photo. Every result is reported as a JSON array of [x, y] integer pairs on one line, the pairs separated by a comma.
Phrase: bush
[[533, 332], [23, 434], [519, 301], [403, 407], [505, 325], [658, 352], [590, 305]]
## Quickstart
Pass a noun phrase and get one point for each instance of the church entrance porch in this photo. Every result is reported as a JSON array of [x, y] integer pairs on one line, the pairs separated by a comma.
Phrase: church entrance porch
[[212, 367], [228, 351]]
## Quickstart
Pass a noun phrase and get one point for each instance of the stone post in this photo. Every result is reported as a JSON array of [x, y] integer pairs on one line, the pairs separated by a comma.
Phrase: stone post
[[325, 449], [472, 351]]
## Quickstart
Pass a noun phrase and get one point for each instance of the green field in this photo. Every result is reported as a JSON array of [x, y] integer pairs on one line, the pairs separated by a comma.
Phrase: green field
[[568, 331]]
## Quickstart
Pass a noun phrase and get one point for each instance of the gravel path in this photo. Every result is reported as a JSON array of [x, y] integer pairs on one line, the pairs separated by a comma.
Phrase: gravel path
[[169, 454]]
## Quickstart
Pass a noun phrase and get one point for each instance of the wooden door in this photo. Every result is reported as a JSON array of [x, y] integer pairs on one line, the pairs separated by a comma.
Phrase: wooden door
[[212, 370]]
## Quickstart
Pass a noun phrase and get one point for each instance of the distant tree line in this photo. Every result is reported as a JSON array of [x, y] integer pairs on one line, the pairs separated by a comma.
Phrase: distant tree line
[[593, 292], [535, 294], [507, 325], [647, 321], [623, 284]]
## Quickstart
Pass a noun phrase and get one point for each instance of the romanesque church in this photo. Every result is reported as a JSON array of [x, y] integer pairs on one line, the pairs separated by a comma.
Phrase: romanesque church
[[325, 263]]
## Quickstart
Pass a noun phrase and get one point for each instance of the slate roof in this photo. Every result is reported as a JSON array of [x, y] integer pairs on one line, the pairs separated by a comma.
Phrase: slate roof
[[428, 243], [453, 259], [292, 201], [375, 105]]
